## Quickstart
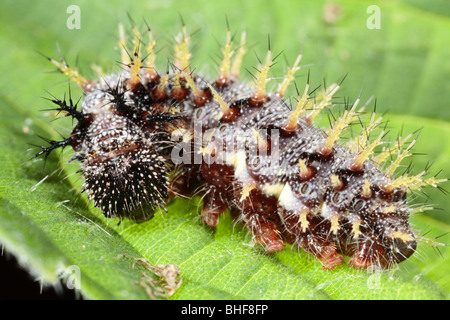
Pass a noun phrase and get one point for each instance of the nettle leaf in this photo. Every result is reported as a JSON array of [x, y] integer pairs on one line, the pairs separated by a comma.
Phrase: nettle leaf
[[52, 229]]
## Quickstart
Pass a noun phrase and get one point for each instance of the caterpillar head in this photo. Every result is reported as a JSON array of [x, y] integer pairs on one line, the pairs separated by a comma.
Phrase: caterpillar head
[[125, 173], [131, 184]]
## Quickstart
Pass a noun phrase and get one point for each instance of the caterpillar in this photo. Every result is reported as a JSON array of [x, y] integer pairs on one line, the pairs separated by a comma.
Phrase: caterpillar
[[143, 137]]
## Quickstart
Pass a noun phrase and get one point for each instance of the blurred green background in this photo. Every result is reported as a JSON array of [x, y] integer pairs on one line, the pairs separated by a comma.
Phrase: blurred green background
[[405, 65]]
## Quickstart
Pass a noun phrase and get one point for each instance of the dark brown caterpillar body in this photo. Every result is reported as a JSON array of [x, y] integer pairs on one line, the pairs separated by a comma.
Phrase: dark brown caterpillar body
[[287, 180]]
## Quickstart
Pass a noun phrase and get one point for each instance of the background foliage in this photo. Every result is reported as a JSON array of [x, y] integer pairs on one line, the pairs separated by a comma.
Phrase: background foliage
[[49, 226]]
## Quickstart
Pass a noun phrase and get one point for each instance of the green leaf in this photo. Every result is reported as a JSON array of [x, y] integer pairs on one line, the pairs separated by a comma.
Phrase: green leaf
[[50, 227]]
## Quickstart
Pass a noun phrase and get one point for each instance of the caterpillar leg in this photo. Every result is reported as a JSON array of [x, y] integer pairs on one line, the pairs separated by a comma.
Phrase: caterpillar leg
[[256, 213], [368, 253], [217, 179], [265, 232], [184, 182], [213, 207], [312, 235], [321, 248]]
